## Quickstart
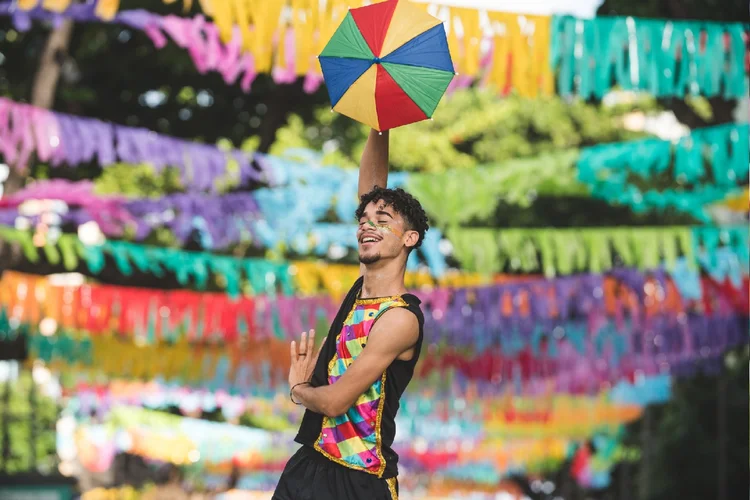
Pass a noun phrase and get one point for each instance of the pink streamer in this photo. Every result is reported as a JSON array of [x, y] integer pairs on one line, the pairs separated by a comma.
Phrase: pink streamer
[[109, 213]]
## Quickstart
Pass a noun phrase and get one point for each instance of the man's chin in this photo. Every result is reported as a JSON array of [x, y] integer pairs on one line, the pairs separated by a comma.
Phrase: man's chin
[[369, 259]]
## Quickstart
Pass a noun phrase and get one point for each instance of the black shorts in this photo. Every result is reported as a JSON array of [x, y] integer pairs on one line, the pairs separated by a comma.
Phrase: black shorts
[[308, 475]]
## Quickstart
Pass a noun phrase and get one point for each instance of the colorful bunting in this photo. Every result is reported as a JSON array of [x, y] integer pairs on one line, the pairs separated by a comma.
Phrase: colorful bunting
[[714, 159], [58, 138], [664, 58], [190, 268], [564, 251]]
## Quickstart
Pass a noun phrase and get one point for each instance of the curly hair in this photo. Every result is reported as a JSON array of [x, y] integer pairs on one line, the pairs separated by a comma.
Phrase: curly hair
[[403, 203]]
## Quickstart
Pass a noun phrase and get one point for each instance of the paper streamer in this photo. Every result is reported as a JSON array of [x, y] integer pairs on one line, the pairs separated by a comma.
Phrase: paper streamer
[[221, 221], [457, 196], [713, 159], [59, 138], [511, 52], [664, 58], [456, 315], [80, 205], [507, 51], [420, 417], [568, 335], [564, 251], [190, 268]]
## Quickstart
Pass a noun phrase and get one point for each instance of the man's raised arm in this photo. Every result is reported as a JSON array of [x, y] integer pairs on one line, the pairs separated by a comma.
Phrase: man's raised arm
[[373, 169]]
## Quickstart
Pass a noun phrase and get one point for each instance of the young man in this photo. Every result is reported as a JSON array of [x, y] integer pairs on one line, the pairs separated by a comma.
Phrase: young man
[[352, 387]]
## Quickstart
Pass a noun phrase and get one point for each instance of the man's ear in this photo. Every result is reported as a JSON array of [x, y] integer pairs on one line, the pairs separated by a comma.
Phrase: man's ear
[[411, 238]]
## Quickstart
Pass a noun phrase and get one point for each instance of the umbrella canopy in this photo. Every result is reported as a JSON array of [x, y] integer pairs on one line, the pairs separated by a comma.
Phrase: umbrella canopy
[[387, 64]]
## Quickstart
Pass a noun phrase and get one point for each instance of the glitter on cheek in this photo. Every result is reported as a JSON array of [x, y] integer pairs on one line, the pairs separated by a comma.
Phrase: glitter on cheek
[[385, 227]]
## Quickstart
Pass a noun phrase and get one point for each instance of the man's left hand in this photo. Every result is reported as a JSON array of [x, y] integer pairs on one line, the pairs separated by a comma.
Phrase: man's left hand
[[303, 359]]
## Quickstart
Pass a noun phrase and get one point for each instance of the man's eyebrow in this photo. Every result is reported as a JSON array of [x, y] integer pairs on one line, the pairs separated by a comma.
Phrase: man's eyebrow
[[382, 212]]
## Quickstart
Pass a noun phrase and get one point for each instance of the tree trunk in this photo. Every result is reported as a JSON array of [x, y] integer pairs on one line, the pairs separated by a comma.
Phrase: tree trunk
[[48, 74]]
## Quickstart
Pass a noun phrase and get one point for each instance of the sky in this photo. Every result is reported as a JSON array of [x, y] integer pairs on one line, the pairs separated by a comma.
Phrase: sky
[[578, 8]]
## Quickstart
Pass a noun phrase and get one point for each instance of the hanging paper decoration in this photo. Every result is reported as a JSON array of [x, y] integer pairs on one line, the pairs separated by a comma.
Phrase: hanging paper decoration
[[508, 51], [723, 252], [81, 204], [456, 197], [130, 311], [58, 138], [56, 11], [739, 202], [719, 153], [199, 37], [518, 58], [220, 220], [564, 251], [664, 58], [570, 334], [190, 268], [230, 215], [191, 439]]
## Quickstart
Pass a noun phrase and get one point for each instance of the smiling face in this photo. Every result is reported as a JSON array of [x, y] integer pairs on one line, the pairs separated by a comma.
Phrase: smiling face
[[383, 234]]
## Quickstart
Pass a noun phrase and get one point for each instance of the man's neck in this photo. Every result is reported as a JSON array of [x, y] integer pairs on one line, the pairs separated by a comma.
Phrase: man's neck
[[383, 280]]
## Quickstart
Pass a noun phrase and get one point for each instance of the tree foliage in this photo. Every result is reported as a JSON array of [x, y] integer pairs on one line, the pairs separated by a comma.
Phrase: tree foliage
[[29, 418], [471, 127]]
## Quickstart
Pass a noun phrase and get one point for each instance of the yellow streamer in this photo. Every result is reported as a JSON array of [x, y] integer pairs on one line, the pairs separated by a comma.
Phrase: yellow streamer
[[27, 4], [521, 42], [56, 5], [526, 40]]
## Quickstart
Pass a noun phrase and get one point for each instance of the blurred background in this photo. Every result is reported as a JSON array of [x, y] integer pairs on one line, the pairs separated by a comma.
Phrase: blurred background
[[176, 204]]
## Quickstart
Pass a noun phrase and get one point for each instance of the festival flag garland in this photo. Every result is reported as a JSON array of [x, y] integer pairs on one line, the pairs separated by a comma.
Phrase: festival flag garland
[[527, 333], [714, 159], [564, 251], [59, 139], [512, 52], [664, 58]]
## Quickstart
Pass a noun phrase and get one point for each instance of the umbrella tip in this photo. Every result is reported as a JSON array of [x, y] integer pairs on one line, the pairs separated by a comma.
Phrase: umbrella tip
[[456, 73], [380, 133]]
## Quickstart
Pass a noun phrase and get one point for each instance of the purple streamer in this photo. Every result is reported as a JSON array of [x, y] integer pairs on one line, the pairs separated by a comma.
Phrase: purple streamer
[[61, 138], [228, 218]]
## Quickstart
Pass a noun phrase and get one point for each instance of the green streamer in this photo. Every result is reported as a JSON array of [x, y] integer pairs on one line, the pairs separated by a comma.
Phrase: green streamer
[[457, 197], [69, 249], [641, 55], [565, 251]]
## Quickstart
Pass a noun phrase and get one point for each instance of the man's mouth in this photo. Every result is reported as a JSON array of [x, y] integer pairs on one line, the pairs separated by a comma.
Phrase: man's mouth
[[369, 239]]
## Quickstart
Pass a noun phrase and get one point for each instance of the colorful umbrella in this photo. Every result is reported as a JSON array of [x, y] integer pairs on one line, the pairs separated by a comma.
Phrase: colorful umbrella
[[387, 65]]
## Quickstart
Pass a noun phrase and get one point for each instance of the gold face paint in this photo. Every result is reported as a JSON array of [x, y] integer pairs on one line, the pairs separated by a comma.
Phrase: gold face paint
[[385, 227]]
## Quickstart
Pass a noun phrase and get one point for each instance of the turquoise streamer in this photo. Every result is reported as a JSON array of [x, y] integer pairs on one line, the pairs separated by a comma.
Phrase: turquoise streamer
[[642, 55], [606, 169], [724, 252], [192, 268]]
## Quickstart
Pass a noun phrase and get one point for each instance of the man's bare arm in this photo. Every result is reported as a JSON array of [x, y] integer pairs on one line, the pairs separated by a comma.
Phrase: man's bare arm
[[395, 332], [373, 168]]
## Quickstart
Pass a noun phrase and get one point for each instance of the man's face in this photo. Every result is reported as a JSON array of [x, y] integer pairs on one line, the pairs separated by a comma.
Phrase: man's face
[[382, 233]]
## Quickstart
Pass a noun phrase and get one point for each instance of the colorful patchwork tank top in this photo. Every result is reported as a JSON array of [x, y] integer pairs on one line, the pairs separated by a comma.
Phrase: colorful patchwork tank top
[[362, 437]]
